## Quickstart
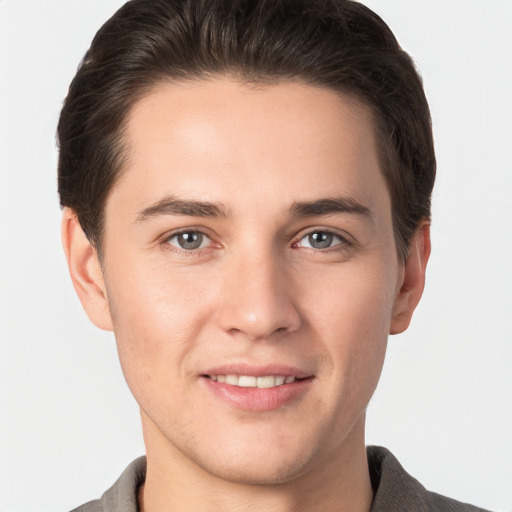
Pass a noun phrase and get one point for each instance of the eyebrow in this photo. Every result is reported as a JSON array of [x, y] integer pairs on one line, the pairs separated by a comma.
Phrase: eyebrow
[[173, 206], [330, 206]]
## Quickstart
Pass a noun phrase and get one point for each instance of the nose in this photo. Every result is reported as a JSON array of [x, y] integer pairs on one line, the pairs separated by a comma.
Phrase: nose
[[258, 298]]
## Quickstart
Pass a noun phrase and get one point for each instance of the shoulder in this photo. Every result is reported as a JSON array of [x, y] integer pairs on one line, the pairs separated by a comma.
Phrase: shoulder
[[394, 489], [92, 506], [122, 496]]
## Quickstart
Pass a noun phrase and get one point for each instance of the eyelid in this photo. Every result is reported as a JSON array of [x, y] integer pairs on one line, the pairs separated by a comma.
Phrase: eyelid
[[188, 229], [347, 240], [204, 239], [165, 238]]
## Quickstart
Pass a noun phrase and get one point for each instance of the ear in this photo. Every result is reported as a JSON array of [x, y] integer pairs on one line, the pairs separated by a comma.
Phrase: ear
[[413, 282], [85, 270]]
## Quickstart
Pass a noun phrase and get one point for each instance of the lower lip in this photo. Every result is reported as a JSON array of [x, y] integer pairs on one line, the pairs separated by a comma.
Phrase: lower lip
[[259, 399]]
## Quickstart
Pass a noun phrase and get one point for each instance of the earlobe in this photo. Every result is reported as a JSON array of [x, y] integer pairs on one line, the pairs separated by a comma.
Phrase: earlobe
[[411, 289], [85, 271]]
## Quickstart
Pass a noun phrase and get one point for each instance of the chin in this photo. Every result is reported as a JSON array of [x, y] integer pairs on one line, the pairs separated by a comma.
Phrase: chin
[[259, 455], [265, 471]]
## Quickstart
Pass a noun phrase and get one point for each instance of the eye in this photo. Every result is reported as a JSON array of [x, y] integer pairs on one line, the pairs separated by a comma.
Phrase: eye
[[321, 240], [189, 240]]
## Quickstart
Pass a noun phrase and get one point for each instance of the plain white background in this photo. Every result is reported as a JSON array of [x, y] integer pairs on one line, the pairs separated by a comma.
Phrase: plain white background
[[68, 425]]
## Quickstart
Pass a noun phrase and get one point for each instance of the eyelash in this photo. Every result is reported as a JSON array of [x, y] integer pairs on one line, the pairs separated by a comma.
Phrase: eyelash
[[343, 244], [187, 252]]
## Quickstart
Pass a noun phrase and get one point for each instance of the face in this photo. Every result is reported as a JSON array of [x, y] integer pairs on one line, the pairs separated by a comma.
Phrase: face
[[251, 274]]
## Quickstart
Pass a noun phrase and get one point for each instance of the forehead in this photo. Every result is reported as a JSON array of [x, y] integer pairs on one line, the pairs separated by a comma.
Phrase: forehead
[[220, 140]]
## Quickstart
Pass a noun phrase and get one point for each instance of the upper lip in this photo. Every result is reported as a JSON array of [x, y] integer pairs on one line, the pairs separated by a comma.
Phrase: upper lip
[[258, 371]]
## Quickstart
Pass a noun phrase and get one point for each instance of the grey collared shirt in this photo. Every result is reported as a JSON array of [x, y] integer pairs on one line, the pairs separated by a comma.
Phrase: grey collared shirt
[[394, 489]]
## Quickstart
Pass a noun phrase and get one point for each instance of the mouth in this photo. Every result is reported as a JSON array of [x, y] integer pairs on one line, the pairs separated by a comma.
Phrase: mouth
[[253, 381], [260, 389]]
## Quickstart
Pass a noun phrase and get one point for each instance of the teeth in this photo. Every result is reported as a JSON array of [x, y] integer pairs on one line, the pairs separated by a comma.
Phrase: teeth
[[247, 382], [250, 381], [232, 379], [266, 382]]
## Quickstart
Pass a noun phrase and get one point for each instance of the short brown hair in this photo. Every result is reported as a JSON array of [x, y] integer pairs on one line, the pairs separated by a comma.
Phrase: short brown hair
[[338, 44]]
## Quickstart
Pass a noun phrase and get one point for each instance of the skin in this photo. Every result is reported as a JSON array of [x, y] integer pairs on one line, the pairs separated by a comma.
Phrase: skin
[[255, 293]]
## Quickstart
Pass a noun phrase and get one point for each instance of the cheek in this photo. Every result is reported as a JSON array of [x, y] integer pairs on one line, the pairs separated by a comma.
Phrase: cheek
[[352, 318], [158, 299], [158, 314], [354, 302]]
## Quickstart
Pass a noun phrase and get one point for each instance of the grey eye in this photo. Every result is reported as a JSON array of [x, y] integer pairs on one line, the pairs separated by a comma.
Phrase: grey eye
[[320, 239], [188, 240]]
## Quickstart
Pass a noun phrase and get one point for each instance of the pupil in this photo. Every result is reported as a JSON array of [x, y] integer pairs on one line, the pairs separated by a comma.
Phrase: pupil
[[320, 240], [190, 240]]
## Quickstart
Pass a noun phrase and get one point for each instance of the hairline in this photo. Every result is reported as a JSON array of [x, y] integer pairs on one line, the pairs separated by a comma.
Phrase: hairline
[[250, 79]]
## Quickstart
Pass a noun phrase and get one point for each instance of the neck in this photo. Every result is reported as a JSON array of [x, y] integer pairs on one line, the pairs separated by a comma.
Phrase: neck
[[340, 482]]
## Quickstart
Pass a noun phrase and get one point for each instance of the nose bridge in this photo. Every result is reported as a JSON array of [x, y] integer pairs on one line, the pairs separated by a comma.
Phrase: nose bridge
[[258, 300]]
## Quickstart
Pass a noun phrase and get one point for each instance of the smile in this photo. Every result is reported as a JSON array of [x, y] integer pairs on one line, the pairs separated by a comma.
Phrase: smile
[[251, 381], [260, 389]]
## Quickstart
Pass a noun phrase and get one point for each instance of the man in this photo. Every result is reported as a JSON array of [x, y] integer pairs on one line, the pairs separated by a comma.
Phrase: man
[[246, 190]]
